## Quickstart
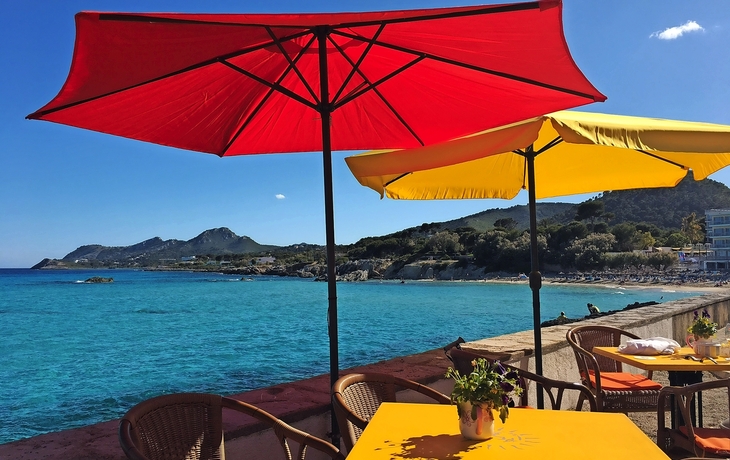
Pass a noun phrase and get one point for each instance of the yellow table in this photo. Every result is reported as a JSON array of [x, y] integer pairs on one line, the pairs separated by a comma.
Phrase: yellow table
[[431, 431], [682, 371], [675, 362]]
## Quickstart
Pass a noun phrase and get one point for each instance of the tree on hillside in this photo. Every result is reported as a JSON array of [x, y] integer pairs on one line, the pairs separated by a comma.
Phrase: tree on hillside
[[625, 234], [691, 228], [468, 238], [429, 228], [676, 240], [446, 242], [589, 253], [644, 240], [506, 223], [488, 251], [589, 210]]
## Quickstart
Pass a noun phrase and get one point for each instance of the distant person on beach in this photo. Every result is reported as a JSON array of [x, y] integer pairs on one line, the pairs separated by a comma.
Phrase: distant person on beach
[[592, 309]]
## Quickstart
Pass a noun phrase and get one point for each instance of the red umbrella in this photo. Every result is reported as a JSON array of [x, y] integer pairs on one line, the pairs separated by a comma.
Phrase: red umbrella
[[236, 84]]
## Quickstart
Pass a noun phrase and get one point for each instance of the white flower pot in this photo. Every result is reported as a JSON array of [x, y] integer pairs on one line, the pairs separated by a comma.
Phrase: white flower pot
[[477, 424]]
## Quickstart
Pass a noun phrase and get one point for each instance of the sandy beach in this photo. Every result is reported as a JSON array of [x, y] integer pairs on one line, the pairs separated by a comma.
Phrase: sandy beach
[[686, 286]]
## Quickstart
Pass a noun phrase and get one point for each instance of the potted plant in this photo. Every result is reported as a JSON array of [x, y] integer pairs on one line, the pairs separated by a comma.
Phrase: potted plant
[[702, 327], [702, 332], [487, 388]]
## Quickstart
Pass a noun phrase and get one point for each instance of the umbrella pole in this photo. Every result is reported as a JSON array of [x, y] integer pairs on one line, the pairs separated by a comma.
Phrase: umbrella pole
[[535, 276], [329, 217]]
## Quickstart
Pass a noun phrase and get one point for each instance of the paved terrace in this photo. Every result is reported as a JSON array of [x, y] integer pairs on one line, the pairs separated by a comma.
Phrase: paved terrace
[[305, 403]]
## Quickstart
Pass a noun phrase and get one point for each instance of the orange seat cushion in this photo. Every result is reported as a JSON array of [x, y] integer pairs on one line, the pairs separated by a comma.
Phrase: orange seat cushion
[[622, 381], [715, 440]]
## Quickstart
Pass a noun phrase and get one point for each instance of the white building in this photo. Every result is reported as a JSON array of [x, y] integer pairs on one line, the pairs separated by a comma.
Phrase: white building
[[717, 224]]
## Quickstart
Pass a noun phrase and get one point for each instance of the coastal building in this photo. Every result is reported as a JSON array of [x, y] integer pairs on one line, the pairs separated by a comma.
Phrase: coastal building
[[717, 225]]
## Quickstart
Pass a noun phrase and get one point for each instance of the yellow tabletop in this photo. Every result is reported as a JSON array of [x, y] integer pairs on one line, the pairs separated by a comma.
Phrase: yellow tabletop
[[431, 431], [675, 362]]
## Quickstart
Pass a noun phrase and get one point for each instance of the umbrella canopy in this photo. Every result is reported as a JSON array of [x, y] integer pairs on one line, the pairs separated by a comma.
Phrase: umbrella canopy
[[235, 84], [574, 152], [562, 153]]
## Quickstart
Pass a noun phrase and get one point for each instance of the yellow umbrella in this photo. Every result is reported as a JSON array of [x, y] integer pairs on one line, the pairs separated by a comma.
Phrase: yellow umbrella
[[559, 154], [575, 152]]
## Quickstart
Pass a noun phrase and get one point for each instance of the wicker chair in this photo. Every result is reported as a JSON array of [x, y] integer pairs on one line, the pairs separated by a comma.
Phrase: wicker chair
[[615, 390], [356, 397], [189, 426], [699, 441], [554, 388]]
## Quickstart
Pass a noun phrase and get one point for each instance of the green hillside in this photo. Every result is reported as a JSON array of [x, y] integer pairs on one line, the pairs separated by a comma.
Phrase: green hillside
[[483, 221], [663, 207]]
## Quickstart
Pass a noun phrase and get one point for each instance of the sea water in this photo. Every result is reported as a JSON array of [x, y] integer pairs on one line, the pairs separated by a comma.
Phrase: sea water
[[75, 353]]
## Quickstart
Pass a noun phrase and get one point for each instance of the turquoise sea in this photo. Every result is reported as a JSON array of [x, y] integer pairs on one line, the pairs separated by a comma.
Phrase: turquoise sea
[[75, 354]]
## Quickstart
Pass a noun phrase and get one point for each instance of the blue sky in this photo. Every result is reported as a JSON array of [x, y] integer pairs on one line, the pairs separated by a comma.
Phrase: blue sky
[[62, 187]]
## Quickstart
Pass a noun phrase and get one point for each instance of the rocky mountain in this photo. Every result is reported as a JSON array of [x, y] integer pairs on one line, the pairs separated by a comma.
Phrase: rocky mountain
[[664, 207], [215, 242]]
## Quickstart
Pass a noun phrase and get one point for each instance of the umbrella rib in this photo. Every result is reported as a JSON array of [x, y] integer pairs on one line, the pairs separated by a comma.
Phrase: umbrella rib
[[214, 60], [396, 179], [292, 64], [356, 66], [475, 68], [274, 86], [265, 98], [549, 145], [371, 86], [663, 159]]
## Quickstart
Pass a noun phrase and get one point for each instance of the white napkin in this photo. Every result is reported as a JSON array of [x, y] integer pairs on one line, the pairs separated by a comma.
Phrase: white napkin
[[650, 346]]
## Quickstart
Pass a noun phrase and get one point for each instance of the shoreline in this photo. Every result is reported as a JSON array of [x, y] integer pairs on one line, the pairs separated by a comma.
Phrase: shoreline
[[684, 287], [707, 286]]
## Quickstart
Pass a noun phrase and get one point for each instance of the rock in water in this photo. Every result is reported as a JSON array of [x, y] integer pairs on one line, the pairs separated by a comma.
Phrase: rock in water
[[99, 279]]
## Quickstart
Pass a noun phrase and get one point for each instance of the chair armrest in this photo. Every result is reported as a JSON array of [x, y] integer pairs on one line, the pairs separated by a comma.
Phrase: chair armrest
[[592, 364], [561, 386], [343, 413], [127, 443]]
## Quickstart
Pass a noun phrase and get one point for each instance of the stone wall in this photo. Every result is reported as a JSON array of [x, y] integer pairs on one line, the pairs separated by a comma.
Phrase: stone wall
[[305, 403]]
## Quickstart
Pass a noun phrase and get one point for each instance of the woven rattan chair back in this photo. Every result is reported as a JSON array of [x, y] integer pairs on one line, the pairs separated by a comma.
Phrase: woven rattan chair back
[[179, 426], [356, 397], [698, 441], [555, 389], [587, 337], [641, 395], [189, 426]]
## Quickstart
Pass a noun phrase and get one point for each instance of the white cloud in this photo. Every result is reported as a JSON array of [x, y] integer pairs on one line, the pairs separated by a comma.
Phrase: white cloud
[[673, 33], [279, 196]]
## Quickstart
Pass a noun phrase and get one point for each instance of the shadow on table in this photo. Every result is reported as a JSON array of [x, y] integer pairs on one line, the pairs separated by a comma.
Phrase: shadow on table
[[439, 447]]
